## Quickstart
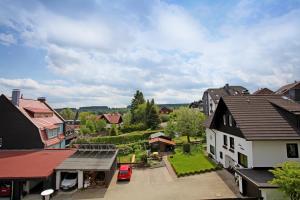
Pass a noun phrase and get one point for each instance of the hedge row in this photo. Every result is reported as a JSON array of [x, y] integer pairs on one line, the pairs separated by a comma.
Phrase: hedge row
[[197, 172], [120, 139], [125, 149]]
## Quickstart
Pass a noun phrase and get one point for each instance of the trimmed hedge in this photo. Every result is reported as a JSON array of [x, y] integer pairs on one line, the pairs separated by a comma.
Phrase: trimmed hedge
[[120, 139], [197, 172]]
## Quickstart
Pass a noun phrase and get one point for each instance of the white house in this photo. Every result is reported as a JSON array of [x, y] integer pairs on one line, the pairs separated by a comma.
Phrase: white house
[[252, 134], [212, 96]]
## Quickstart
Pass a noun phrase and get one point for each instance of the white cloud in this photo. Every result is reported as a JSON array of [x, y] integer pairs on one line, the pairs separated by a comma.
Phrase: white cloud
[[7, 39], [165, 52]]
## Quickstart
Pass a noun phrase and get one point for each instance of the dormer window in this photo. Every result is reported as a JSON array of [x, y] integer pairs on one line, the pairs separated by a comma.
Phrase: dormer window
[[230, 120], [52, 131], [224, 120]]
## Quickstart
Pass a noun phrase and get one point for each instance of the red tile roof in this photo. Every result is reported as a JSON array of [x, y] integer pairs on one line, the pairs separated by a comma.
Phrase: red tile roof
[[161, 140], [263, 91], [42, 123], [112, 118], [31, 163]]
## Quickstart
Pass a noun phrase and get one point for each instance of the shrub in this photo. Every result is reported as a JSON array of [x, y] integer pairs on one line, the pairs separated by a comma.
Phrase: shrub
[[113, 130], [164, 118], [133, 127], [186, 148], [144, 158]]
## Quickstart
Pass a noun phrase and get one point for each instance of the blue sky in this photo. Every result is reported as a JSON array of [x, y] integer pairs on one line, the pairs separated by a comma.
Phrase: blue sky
[[98, 52]]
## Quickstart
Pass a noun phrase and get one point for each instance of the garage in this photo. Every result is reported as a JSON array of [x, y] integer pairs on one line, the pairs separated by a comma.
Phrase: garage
[[26, 172], [93, 164]]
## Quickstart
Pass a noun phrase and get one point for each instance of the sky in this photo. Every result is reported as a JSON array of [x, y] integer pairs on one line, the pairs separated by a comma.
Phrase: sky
[[98, 52]]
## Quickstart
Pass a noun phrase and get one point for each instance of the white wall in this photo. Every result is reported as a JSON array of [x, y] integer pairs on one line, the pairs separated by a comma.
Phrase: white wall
[[273, 194], [270, 153], [211, 101], [240, 145]]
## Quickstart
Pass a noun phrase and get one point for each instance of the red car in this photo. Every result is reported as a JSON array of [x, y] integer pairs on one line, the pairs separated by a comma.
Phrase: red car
[[5, 189], [125, 172]]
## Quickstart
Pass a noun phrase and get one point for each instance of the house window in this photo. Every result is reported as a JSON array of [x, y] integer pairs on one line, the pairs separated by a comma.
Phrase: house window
[[231, 142], [242, 160], [225, 140], [52, 133], [230, 120], [0, 142], [221, 154], [212, 149], [292, 150], [224, 120]]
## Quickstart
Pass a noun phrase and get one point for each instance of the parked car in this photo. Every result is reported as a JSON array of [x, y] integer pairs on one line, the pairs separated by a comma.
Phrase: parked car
[[69, 181], [125, 172], [5, 189]]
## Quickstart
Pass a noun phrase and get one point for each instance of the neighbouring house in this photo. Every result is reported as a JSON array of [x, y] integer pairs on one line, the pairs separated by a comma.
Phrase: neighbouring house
[[291, 91], [30, 171], [252, 134], [212, 96], [165, 110], [197, 105], [72, 129], [29, 124], [112, 118], [263, 91], [161, 143]]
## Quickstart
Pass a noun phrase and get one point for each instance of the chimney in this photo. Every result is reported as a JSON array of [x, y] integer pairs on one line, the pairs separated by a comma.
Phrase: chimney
[[15, 97], [227, 86], [42, 99]]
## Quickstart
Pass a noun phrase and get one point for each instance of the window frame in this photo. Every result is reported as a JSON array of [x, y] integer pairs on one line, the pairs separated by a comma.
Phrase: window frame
[[212, 149], [225, 140], [231, 143], [230, 120], [221, 154], [242, 158], [296, 150]]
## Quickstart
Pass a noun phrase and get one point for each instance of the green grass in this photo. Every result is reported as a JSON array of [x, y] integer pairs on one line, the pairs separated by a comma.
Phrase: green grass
[[194, 162], [183, 139], [125, 158]]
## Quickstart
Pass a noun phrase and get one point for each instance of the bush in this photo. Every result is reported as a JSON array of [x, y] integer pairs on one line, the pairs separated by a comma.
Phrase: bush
[[122, 139], [164, 118], [186, 148], [133, 127], [113, 130], [144, 158]]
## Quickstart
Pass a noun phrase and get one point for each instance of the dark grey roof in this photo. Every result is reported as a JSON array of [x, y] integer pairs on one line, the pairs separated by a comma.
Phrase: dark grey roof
[[227, 90], [87, 158], [259, 177], [259, 119]]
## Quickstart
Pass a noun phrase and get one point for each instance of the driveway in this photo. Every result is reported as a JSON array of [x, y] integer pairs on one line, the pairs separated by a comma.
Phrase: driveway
[[157, 184]]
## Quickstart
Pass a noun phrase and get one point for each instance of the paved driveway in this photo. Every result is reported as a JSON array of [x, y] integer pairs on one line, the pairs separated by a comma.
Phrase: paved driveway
[[157, 184]]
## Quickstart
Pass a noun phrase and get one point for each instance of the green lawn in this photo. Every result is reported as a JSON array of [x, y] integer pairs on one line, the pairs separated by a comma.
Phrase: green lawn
[[183, 139], [194, 162]]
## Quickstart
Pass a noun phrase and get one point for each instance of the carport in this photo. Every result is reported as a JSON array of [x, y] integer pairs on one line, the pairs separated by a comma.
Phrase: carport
[[90, 158]]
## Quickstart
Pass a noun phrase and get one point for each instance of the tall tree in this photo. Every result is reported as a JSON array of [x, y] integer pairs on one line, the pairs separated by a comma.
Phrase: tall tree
[[152, 116], [137, 100], [189, 122], [287, 177], [67, 114]]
